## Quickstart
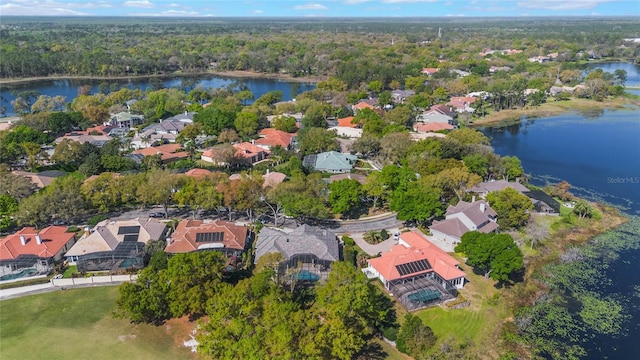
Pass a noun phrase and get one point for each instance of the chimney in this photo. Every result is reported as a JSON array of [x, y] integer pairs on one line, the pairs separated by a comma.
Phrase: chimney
[[23, 240], [483, 207], [168, 241], [267, 171], [86, 231], [38, 239], [253, 142], [473, 199]]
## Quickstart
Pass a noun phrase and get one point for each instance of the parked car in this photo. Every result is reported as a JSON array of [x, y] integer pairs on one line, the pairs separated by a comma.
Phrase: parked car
[[59, 222], [158, 214]]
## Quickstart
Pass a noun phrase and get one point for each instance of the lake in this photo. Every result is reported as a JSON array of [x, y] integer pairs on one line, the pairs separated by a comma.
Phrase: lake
[[69, 87], [599, 154]]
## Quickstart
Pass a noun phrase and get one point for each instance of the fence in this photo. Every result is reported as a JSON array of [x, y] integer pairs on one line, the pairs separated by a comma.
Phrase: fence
[[93, 280]]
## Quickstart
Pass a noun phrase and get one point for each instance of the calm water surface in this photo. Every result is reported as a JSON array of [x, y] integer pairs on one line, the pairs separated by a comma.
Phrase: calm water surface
[[599, 154], [69, 87]]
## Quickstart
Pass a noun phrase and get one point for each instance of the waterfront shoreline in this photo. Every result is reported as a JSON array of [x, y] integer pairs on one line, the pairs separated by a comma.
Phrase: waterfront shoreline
[[554, 108], [224, 74]]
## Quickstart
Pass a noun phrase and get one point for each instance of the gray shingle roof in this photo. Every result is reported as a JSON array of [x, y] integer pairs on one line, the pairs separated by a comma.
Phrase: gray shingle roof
[[304, 239], [497, 185]]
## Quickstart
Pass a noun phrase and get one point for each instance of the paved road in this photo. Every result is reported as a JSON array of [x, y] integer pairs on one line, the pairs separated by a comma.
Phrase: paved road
[[379, 222]]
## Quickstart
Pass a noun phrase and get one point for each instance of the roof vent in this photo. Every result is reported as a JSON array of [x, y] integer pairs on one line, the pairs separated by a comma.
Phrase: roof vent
[[23, 240]]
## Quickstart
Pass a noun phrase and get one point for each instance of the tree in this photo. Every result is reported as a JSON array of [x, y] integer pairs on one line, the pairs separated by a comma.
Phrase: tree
[[511, 167], [375, 189], [414, 337], [8, 205], [620, 76], [158, 188], [457, 180], [583, 209], [215, 118], [368, 145], [303, 196], [34, 153], [246, 123], [495, 254], [269, 98], [511, 206], [194, 278], [16, 186], [417, 202], [352, 309], [345, 195], [317, 140], [285, 123], [62, 122], [468, 136]]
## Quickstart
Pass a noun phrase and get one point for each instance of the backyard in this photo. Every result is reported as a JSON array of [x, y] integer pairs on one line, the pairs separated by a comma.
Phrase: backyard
[[68, 323]]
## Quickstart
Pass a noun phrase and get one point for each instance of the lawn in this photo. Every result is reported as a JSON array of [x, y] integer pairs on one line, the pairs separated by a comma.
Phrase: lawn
[[77, 323]]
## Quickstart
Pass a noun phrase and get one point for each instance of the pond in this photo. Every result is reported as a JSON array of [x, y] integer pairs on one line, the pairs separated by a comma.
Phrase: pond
[[69, 87]]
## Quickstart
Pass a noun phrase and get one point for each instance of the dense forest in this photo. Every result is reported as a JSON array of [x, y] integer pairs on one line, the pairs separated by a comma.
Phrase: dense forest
[[366, 49]]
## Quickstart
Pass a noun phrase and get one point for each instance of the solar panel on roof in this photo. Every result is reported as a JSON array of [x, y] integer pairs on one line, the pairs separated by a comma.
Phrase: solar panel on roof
[[210, 237], [130, 237], [413, 267], [128, 230]]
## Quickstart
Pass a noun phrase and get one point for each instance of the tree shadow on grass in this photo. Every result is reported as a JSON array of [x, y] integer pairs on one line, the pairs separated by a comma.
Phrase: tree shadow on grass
[[371, 351]]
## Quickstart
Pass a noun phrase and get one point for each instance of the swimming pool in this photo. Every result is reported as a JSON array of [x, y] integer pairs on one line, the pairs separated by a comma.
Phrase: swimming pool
[[21, 274]]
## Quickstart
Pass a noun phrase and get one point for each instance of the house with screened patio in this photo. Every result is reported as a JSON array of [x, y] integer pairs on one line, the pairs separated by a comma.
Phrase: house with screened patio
[[417, 272]]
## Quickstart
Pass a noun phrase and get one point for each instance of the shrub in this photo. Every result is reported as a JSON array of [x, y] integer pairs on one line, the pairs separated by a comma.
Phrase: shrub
[[384, 235], [348, 241], [95, 219], [391, 333]]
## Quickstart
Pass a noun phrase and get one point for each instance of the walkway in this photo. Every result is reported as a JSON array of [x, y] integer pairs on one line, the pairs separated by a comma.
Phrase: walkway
[[61, 284]]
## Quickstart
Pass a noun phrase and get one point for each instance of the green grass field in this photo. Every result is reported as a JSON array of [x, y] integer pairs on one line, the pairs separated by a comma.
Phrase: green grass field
[[77, 324], [464, 324]]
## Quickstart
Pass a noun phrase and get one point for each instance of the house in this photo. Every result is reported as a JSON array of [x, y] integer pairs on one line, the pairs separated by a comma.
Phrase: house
[[251, 152], [331, 161], [444, 110], [429, 71], [417, 272], [115, 245], [307, 251], [195, 235], [365, 104], [198, 173], [32, 252], [126, 120], [80, 137], [362, 179], [168, 153], [459, 219], [460, 73], [41, 179], [433, 116], [273, 178], [495, 69], [431, 127], [347, 131], [271, 138], [486, 187], [540, 59], [399, 96], [462, 103], [543, 202]]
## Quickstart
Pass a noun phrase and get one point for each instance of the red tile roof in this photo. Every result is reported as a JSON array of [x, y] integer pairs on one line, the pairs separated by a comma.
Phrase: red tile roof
[[273, 178], [429, 71], [347, 122], [184, 238], [419, 249], [248, 149], [460, 102], [442, 109], [53, 239], [168, 152], [272, 137], [363, 105], [431, 127]]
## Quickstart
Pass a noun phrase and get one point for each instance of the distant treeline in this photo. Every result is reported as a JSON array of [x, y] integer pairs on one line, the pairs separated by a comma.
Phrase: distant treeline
[[380, 49]]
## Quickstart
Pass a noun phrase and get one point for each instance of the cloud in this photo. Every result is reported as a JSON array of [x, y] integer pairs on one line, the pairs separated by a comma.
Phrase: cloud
[[49, 8], [258, 11], [168, 13], [146, 4], [561, 5], [173, 5], [310, 7], [354, 2]]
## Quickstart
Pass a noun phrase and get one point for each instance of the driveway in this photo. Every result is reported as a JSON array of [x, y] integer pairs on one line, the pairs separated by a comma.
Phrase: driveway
[[374, 250]]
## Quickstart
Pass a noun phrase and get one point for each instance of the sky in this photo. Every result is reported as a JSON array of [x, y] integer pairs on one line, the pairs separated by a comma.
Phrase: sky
[[320, 8]]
